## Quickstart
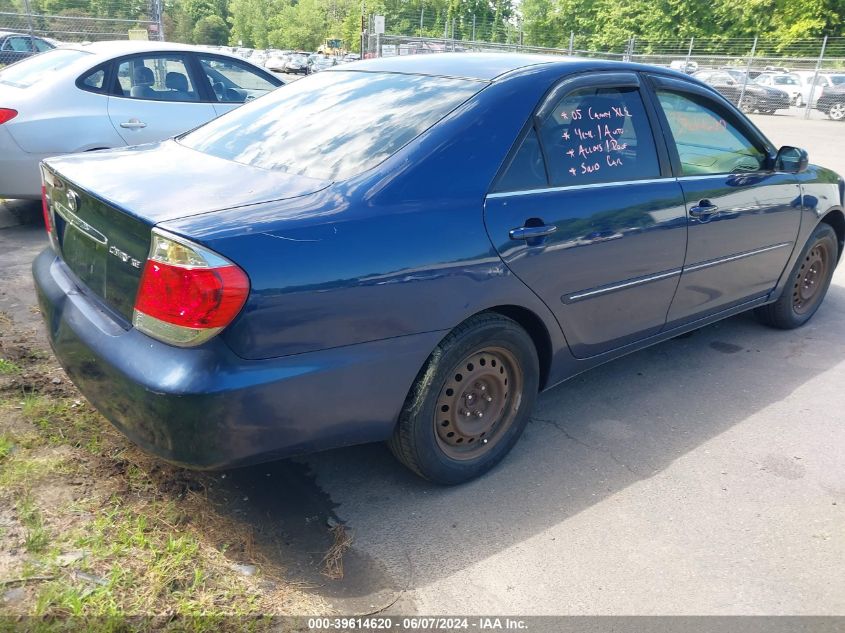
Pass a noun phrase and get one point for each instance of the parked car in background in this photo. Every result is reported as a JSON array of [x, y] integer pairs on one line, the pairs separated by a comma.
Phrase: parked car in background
[[386, 251], [111, 94], [786, 82], [684, 66], [832, 102], [277, 62], [323, 63], [753, 98], [825, 82], [297, 63], [351, 57], [17, 46]]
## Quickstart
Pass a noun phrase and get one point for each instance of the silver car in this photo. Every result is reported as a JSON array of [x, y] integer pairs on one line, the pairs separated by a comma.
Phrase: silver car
[[111, 94]]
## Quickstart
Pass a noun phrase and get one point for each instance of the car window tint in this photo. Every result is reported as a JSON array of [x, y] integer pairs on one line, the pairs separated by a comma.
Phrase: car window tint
[[18, 44], [93, 82], [527, 169], [306, 128], [707, 143], [233, 82], [42, 46], [598, 135], [32, 70], [156, 78]]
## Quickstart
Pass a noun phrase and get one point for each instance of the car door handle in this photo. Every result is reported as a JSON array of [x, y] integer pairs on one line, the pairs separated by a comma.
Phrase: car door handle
[[703, 209], [133, 124], [531, 232]]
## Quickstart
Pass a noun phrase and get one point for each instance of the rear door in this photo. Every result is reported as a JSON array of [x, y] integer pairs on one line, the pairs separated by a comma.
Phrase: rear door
[[157, 97], [743, 216], [587, 215]]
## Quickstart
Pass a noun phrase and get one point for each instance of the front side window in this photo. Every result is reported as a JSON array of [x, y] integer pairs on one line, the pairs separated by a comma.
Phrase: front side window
[[334, 124], [234, 82], [41, 46], [707, 142], [156, 78], [599, 134]]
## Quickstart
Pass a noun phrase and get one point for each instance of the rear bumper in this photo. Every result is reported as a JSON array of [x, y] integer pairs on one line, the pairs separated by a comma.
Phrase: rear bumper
[[19, 175], [206, 407]]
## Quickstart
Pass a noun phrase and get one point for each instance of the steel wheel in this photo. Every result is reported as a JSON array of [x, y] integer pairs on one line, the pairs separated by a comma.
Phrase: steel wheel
[[809, 284], [478, 403], [837, 111]]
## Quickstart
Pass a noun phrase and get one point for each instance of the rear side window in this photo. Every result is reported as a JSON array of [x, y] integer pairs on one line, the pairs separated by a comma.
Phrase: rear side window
[[332, 125], [30, 71], [596, 135], [707, 142], [527, 169], [94, 80], [156, 78]]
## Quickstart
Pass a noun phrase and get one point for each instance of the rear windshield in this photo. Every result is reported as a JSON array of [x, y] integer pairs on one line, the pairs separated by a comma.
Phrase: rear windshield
[[332, 125], [31, 70]]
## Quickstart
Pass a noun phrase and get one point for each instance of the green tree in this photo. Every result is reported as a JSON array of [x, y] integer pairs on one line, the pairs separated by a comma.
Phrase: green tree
[[212, 29]]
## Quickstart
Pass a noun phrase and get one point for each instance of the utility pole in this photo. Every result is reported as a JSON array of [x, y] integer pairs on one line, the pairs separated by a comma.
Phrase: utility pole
[[571, 42], [747, 71], [689, 54], [156, 15], [422, 15], [473, 27], [815, 77], [29, 19]]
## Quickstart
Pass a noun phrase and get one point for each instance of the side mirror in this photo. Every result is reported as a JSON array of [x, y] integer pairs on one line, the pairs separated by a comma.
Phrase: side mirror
[[792, 160]]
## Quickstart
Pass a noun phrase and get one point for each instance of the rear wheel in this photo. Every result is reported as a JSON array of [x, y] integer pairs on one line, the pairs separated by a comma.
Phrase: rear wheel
[[808, 282], [799, 101], [837, 111], [471, 401]]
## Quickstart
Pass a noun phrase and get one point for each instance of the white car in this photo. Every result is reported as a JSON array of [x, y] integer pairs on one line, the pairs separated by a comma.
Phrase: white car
[[787, 82], [112, 94]]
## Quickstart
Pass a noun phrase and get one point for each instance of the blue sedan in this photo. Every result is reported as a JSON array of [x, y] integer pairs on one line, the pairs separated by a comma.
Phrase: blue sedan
[[411, 249]]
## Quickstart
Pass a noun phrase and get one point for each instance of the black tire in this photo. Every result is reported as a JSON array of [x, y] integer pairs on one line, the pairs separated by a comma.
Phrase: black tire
[[807, 284], [417, 441]]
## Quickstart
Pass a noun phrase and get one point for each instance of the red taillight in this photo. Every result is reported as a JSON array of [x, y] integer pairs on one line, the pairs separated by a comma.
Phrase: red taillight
[[45, 209], [187, 293], [192, 297], [7, 114]]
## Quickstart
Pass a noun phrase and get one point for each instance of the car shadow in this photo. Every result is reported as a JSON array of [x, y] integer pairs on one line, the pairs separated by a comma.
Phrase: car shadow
[[589, 438]]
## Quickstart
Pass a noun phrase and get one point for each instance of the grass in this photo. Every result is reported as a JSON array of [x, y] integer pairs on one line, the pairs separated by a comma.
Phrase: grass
[[8, 368], [103, 537]]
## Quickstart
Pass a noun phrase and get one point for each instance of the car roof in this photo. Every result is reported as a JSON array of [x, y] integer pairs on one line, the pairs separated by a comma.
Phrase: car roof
[[114, 48], [485, 66]]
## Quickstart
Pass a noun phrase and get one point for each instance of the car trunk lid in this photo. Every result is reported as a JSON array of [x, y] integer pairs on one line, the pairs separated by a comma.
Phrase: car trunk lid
[[104, 204]]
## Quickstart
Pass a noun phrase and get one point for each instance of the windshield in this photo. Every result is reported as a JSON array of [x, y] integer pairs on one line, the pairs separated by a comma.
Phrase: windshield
[[30, 71], [837, 80], [332, 125]]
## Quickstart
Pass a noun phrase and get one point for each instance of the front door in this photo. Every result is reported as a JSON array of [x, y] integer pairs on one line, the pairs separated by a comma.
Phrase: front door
[[585, 217], [743, 216]]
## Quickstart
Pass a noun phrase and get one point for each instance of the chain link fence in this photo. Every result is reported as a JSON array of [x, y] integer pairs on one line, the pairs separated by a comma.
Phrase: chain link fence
[[122, 19], [737, 68]]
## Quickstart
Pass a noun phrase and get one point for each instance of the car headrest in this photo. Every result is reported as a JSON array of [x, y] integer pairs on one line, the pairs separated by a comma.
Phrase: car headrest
[[176, 81], [143, 76]]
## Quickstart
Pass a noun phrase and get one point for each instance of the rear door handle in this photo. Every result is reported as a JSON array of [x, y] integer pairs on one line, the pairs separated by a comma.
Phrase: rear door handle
[[703, 209], [531, 232], [133, 124]]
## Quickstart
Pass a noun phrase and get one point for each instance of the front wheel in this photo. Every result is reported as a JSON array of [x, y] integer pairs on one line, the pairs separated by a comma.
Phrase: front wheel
[[808, 282], [837, 111], [747, 104], [799, 101], [470, 402]]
